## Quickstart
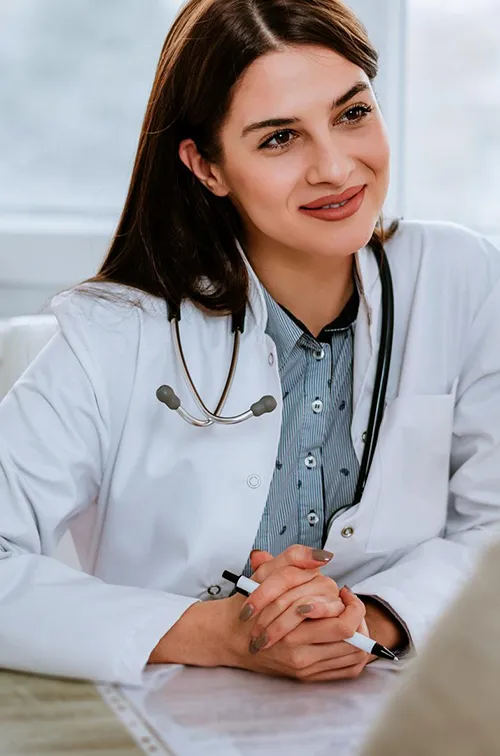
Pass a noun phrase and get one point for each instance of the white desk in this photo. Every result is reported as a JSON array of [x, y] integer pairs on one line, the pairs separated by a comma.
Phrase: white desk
[[226, 712]]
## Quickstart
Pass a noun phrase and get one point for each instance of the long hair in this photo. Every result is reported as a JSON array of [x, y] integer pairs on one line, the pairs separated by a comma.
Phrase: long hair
[[173, 232]]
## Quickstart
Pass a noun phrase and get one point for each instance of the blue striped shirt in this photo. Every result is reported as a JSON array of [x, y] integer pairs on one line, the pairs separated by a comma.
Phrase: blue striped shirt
[[316, 466]]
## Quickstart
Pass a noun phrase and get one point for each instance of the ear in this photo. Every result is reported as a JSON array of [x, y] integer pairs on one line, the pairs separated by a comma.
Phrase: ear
[[209, 174]]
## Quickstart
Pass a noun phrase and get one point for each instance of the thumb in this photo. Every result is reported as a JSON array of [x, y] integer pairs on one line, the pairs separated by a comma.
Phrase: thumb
[[258, 557]]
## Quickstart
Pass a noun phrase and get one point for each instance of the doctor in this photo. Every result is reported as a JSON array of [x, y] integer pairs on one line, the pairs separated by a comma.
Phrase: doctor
[[260, 177]]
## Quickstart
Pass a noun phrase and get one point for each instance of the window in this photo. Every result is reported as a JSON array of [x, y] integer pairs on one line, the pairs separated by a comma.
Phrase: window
[[76, 77], [452, 149]]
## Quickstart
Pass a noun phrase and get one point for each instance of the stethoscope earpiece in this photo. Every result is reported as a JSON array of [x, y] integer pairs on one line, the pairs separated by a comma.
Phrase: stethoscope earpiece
[[266, 404], [167, 395]]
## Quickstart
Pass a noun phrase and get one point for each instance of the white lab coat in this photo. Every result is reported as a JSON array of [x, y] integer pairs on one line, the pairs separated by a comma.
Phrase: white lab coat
[[158, 508]]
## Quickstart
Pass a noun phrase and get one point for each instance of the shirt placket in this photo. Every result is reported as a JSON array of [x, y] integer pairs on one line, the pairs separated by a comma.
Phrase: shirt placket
[[317, 406]]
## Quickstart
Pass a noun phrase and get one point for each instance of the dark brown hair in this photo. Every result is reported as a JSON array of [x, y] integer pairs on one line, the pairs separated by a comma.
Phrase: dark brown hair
[[173, 232]]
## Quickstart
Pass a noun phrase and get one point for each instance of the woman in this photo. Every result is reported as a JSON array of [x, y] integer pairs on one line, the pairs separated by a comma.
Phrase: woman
[[262, 111]]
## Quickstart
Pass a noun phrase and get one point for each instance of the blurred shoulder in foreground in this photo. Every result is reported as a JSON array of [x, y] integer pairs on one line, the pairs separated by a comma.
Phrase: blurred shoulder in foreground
[[448, 702]]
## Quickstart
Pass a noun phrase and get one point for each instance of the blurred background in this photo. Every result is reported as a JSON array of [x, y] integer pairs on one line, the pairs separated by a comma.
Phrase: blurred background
[[75, 76]]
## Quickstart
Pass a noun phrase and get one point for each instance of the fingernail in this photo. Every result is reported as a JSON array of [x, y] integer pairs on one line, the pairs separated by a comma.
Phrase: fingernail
[[347, 588], [305, 608], [246, 612], [257, 643], [320, 555]]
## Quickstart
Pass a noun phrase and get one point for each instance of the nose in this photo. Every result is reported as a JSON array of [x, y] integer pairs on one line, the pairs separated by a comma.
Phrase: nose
[[329, 163]]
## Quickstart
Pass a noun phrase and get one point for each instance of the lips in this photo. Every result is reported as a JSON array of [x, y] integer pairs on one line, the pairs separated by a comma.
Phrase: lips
[[334, 199]]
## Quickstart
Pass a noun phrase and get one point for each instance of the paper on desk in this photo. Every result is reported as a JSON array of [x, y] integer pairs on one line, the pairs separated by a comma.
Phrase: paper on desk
[[228, 712]]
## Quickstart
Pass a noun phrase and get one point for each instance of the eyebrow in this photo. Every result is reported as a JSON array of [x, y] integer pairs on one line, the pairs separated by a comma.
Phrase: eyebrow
[[360, 86]]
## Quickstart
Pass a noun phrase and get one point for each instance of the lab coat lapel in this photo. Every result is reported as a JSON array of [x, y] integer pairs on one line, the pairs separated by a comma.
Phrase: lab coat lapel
[[366, 343]]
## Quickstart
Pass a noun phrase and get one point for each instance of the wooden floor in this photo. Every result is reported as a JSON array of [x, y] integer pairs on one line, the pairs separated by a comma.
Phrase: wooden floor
[[41, 716]]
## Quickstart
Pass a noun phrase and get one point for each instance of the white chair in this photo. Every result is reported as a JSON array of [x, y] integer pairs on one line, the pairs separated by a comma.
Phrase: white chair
[[21, 339]]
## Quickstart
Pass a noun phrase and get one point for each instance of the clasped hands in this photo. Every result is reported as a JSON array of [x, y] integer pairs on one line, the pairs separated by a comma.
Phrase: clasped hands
[[277, 640]]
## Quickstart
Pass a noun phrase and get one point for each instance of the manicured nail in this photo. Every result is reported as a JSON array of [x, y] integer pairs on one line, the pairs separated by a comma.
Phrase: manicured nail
[[320, 555], [246, 612], [257, 643], [305, 608]]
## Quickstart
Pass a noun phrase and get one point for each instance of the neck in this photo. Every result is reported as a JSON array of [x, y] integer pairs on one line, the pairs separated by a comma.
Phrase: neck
[[314, 290]]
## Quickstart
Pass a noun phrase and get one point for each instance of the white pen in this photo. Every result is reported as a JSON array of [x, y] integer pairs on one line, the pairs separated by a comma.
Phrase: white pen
[[246, 586]]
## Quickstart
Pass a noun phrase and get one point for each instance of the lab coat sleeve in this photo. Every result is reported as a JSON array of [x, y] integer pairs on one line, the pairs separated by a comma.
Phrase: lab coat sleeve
[[424, 581], [54, 435]]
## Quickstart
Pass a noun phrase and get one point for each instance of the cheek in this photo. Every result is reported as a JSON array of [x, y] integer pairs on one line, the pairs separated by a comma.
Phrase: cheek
[[262, 187], [379, 154]]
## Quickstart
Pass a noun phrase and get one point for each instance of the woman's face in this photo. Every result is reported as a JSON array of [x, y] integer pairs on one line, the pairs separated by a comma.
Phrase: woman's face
[[271, 171]]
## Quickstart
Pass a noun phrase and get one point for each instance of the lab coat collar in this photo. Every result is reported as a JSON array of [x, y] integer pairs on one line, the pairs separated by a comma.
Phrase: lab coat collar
[[366, 337], [368, 280]]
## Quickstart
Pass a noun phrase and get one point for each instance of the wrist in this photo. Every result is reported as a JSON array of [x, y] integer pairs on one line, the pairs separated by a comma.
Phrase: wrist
[[382, 625], [197, 638]]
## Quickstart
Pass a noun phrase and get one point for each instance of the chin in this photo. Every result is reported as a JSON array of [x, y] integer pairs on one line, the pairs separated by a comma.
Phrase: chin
[[348, 242]]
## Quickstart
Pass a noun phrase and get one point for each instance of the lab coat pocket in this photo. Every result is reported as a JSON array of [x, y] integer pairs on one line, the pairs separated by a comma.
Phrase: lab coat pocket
[[413, 461]]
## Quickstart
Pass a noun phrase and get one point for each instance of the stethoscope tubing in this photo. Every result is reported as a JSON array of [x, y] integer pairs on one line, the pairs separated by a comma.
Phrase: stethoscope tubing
[[381, 376], [268, 403]]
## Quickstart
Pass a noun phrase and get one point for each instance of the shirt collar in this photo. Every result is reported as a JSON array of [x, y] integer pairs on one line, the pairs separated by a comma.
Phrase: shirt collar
[[286, 330], [367, 279]]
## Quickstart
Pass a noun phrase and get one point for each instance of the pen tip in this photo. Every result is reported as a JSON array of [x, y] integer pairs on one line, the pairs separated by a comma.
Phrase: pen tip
[[383, 652]]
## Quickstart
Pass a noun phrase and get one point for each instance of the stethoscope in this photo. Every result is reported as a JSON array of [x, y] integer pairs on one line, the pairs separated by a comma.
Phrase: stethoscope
[[167, 396]]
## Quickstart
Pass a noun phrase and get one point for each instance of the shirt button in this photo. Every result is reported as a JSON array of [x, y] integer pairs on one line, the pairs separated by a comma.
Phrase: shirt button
[[214, 590], [310, 462], [253, 481], [317, 406], [347, 532], [312, 518], [319, 354]]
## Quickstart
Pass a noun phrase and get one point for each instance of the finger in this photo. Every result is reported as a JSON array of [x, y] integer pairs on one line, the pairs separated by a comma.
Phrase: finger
[[296, 556], [319, 586], [307, 655], [346, 673], [273, 586], [331, 629], [258, 557], [334, 664], [264, 637], [319, 607]]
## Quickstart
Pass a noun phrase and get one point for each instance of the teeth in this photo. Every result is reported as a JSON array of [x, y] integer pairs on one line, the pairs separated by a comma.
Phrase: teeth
[[327, 207]]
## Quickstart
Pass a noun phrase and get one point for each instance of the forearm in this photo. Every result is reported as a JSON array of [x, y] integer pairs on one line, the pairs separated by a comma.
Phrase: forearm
[[197, 638]]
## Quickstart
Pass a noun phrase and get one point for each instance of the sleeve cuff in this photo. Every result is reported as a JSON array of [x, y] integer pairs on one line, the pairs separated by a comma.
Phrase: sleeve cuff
[[133, 658]]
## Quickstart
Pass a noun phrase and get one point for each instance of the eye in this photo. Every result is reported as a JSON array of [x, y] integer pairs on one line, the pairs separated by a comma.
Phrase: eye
[[280, 137], [356, 113]]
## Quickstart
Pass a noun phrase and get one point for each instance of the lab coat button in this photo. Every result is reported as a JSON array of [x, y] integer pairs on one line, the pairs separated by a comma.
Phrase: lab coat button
[[363, 437], [312, 518], [253, 481], [214, 590], [310, 462], [319, 354], [317, 406], [271, 359], [347, 532]]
